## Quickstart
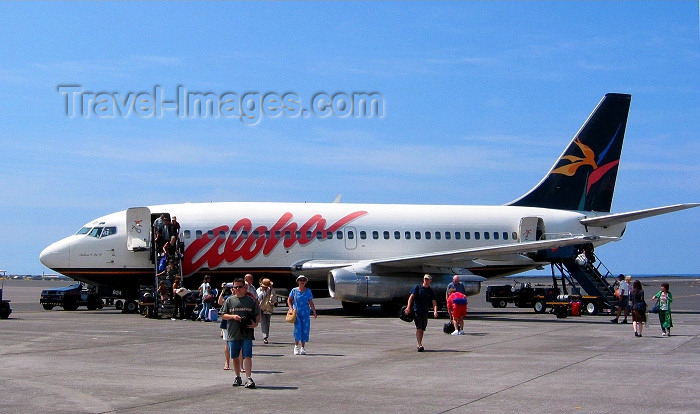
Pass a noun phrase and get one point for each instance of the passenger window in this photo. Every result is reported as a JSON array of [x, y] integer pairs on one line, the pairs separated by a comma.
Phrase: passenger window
[[458, 235], [495, 235], [298, 234], [514, 236], [210, 234], [418, 235], [287, 234], [375, 235], [267, 234], [438, 235], [222, 234], [397, 235], [329, 235], [339, 235], [486, 235], [351, 234], [233, 235], [477, 235], [319, 235], [467, 235], [363, 234], [386, 235], [448, 235], [407, 235], [186, 234], [278, 234], [198, 234], [244, 234], [427, 235], [308, 235], [505, 235]]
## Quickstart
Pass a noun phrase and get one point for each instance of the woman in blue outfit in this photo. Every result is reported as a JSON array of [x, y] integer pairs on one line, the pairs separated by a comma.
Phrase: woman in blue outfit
[[301, 299]]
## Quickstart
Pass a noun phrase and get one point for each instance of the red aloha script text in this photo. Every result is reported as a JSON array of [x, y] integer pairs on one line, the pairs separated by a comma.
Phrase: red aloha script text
[[207, 251]]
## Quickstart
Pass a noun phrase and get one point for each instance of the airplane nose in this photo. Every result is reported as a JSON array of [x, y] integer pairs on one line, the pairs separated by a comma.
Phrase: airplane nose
[[56, 256]]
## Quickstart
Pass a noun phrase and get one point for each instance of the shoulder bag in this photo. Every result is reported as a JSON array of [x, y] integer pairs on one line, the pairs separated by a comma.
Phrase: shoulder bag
[[292, 312], [656, 308]]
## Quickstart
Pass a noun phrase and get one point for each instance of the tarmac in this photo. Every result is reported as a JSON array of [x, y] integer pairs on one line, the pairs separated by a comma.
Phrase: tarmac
[[510, 360]]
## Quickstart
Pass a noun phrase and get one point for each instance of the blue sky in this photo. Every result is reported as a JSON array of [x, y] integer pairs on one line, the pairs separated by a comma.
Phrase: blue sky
[[480, 98]]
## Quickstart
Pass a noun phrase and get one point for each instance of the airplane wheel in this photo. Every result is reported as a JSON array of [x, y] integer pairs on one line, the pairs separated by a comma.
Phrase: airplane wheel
[[540, 306], [502, 303], [47, 307], [119, 305], [353, 308], [390, 308]]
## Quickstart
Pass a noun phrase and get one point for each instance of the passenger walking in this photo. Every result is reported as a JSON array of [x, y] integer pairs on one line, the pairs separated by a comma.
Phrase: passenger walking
[[454, 286], [177, 299], [267, 299], [250, 287], [207, 300], [422, 296], [639, 308], [242, 314], [457, 307], [664, 297], [224, 293], [301, 299], [623, 290], [203, 289]]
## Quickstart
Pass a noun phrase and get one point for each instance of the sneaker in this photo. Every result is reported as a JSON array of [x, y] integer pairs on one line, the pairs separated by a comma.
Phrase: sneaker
[[296, 349], [455, 333], [613, 320], [636, 335], [461, 332], [420, 349], [237, 382], [302, 351], [249, 383], [173, 319], [663, 334]]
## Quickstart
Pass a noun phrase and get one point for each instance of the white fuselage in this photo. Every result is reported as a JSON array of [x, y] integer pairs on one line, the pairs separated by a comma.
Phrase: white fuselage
[[271, 238]]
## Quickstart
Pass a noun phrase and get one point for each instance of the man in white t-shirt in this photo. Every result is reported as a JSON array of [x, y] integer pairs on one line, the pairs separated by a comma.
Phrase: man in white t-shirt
[[623, 298]]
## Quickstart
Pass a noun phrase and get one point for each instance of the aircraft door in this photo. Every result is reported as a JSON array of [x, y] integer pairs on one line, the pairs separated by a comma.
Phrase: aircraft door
[[531, 229], [350, 238], [138, 229]]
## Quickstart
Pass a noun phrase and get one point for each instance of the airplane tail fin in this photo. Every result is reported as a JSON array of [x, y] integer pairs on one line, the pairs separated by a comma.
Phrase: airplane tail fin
[[583, 178]]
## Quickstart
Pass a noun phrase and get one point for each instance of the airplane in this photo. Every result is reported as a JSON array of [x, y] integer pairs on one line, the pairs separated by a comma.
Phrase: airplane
[[366, 254]]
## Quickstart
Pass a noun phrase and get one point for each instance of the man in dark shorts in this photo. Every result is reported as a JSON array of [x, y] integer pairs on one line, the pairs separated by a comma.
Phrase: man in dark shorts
[[422, 296], [242, 315]]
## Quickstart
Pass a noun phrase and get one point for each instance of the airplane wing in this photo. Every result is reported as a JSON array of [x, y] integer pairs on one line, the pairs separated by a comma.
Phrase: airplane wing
[[506, 252], [610, 219], [453, 258]]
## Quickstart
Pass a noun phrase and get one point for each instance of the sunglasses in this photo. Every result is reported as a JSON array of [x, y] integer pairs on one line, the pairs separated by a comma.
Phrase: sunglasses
[[238, 287]]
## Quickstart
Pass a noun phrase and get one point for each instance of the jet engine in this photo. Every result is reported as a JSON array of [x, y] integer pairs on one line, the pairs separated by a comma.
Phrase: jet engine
[[349, 284]]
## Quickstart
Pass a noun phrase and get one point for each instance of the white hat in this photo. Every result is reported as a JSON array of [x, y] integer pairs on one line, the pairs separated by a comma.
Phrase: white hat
[[302, 277]]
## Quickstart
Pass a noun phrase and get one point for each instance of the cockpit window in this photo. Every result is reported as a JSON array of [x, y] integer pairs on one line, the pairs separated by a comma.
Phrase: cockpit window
[[84, 230], [95, 232], [108, 231]]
